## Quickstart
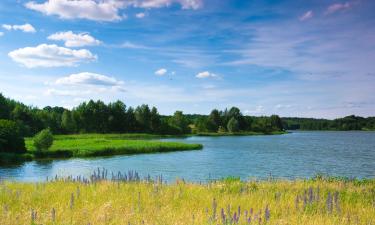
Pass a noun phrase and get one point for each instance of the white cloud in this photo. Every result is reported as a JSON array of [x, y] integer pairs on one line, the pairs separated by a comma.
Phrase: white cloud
[[140, 15], [339, 7], [50, 56], [161, 72], [131, 45], [27, 28], [1, 34], [103, 10], [79, 9], [86, 78], [307, 15], [85, 84], [74, 40], [205, 74]]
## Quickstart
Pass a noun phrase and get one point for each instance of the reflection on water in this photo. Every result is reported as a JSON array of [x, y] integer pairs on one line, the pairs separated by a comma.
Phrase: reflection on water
[[299, 154]]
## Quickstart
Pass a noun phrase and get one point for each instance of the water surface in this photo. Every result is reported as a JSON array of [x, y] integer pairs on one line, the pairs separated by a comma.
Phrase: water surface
[[295, 155]]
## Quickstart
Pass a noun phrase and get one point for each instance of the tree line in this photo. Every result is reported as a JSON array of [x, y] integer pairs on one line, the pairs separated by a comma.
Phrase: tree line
[[347, 123], [116, 117]]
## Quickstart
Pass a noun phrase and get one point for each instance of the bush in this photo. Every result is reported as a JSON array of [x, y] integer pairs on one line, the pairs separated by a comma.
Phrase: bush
[[11, 140], [43, 140]]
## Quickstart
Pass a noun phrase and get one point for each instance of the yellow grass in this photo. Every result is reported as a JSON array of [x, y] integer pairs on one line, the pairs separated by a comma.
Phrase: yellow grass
[[109, 202]]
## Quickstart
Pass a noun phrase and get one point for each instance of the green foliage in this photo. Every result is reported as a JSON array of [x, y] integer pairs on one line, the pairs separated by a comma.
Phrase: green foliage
[[65, 146], [11, 140], [179, 122], [43, 140], [233, 125]]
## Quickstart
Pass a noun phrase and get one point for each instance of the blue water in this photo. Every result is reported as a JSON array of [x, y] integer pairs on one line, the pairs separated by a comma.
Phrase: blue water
[[295, 155]]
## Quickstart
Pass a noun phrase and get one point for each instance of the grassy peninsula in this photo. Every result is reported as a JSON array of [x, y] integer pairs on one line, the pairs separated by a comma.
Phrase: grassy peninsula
[[229, 201], [91, 145]]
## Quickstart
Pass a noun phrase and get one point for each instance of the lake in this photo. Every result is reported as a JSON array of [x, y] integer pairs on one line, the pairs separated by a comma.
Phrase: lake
[[300, 154]]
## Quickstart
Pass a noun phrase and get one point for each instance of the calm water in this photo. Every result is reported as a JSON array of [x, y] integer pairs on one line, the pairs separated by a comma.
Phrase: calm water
[[299, 154]]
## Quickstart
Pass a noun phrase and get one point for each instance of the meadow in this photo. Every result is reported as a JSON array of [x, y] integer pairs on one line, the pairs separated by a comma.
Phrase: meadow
[[127, 199], [92, 145]]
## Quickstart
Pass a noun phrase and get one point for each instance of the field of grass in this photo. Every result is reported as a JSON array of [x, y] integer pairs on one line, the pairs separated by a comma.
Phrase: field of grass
[[311, 202], [91, 145]]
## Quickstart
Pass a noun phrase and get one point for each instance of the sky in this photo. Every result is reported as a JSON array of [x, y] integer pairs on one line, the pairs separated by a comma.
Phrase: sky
[[287, 57]]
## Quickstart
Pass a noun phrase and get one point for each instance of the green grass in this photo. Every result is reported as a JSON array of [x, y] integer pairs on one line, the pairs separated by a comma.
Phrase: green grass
[[141, 203], [92, 145], [89, 147]]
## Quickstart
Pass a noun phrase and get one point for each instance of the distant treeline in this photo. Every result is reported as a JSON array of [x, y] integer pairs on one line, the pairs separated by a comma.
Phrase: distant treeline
[[347, 123], [116, 117]]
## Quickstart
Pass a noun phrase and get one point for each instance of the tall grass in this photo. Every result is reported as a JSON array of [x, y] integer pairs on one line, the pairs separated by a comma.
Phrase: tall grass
[[230, 201]]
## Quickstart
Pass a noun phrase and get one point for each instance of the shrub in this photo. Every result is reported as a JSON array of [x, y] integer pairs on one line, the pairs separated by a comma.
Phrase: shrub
[[11, 140], [43, 140]]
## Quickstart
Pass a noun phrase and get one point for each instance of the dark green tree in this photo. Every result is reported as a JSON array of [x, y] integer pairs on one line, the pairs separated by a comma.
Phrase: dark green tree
[[233, 125], [11, 139]]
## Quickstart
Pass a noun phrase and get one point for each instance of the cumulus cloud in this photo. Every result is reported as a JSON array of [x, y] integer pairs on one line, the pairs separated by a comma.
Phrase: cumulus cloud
[[103, 10], [85, 84], [161, 72], [1, 34], [79, 9], [74, 40], [87, 78], [27, 28], [140, 15], [50, 56], [339, 7], [307, 15], [205, 74]]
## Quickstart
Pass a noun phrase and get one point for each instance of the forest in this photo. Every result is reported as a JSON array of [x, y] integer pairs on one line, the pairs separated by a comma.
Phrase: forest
[[116, 117], [347, 123]]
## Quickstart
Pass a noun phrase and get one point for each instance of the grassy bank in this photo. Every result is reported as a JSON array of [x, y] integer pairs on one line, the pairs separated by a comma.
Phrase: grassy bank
[[226, 202], [91, 145]]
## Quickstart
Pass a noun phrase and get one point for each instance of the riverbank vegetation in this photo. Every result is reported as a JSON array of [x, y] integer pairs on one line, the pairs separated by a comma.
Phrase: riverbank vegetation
[[116, 117], [347, 123], [67, 146], [125, 199]]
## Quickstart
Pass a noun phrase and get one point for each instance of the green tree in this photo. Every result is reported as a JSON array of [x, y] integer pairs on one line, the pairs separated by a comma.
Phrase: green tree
[[43, 140], [4, 108], [179, 122], [214, 121], [11, 139], [155, 122], [276, 123], [67, 122], [233, 125]]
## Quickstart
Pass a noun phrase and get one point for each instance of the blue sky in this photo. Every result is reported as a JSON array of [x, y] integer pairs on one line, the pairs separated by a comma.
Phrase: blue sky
[[291, 58]]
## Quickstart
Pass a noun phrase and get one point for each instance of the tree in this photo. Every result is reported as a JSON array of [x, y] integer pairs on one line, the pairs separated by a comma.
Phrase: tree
[[117, 117], [233, 125], [276, 123], [179, 122], [43, 140], [11, 139], [142, 115], [4, 108], [67, 122], [214, 121], [155, 122]]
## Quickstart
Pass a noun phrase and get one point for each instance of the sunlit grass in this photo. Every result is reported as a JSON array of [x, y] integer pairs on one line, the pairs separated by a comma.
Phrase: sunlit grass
[[91, 145], [287, 202], [104, 145]]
